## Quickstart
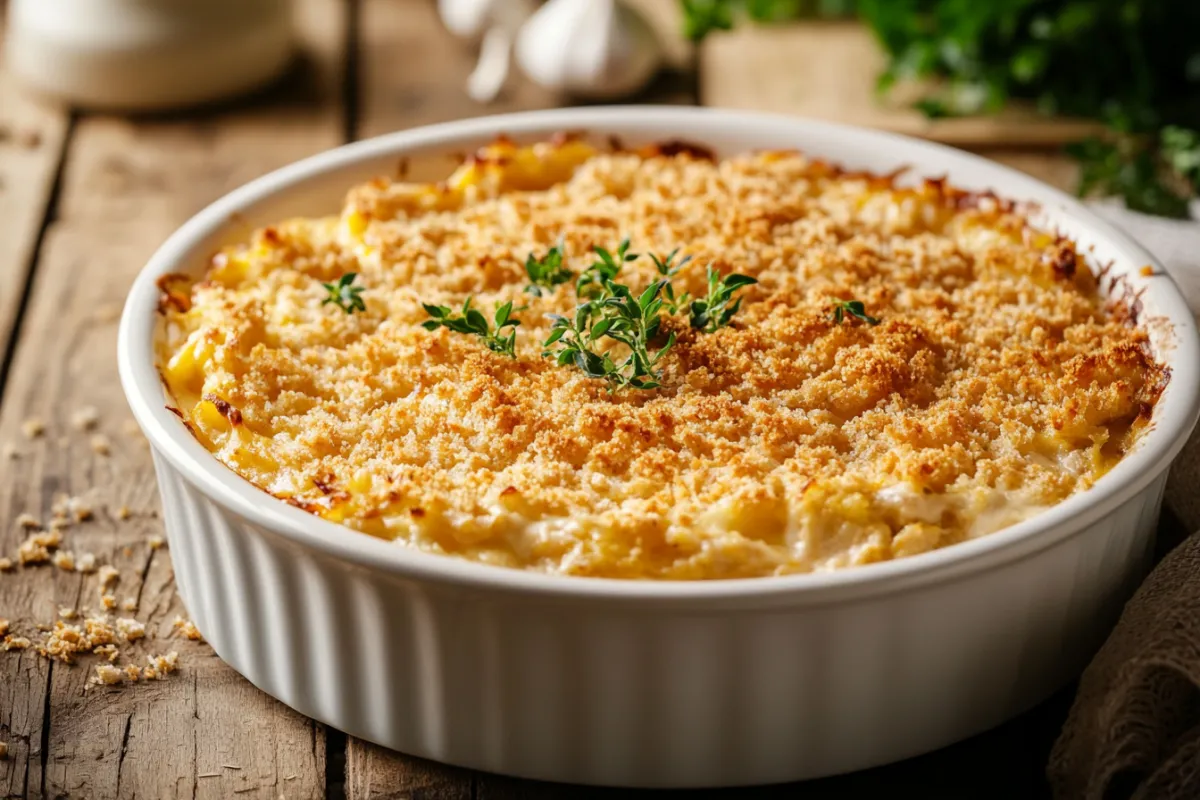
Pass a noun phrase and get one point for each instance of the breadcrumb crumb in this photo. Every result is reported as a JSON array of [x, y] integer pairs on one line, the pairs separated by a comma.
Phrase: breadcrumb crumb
[[108, 574], [108, 675], [156, 542], [85, 418], [187, 628], [108, 601], [66, 612], [33, 428], [129, 604], [78, 509], [3, 626], [86, 563], [130, 629], [36, 548], [12, 642], [27, 520], [165, 664], [123, 512], [65, 560], [101, 445], [108, 651], [6, 564]]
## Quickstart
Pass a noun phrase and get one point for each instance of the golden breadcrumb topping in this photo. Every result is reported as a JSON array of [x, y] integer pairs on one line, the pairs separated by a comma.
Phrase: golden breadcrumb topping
[[995, 384]]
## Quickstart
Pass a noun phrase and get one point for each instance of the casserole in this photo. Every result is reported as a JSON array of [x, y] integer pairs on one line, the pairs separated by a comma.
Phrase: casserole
[[644, 683]]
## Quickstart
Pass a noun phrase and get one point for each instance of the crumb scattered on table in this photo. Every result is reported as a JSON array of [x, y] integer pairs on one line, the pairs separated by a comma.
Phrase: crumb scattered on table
[[33, 428], [108, 574], [37, 546], [108, 674], [65, 560], [187, 628], [101, 445], [130, 629], [85, 418]]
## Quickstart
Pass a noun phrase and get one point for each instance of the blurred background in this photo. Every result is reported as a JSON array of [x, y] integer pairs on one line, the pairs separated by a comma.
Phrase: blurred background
[[1111, 83]]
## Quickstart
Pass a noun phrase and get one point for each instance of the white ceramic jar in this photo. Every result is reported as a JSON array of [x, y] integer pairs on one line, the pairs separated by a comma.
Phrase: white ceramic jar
[[142, 55]]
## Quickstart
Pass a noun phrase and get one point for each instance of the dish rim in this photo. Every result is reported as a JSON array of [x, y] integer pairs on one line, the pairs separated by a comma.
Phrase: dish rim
[[1176, 411]]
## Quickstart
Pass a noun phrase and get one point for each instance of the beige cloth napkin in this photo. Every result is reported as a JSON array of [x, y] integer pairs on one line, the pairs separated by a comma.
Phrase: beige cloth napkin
[[1134, 728]]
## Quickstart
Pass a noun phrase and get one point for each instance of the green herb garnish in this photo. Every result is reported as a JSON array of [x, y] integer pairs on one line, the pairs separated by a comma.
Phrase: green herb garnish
[[344, 294], [472, 321], [668, 269], [594, 280], [853, 308], [546, 272], [715, 309], [634, 322]]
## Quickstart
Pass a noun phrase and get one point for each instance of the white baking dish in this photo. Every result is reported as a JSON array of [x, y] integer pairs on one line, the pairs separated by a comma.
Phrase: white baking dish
[[650, 683]]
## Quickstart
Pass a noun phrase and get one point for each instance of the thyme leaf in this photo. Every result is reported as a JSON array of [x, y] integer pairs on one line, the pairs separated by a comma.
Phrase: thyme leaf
[[546, 272], [344, 294], [472, 321], [851, 308], [716, 309]]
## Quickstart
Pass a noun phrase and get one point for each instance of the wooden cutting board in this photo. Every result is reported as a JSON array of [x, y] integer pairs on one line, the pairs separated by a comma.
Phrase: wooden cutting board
[[827, 70]]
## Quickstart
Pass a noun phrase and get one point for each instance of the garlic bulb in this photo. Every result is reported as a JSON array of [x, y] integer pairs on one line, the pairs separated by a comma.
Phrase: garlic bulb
[[593, 48], [468, 19], [496, 21]]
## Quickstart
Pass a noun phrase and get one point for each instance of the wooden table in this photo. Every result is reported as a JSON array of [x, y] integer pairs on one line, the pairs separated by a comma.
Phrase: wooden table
[[84, 199]]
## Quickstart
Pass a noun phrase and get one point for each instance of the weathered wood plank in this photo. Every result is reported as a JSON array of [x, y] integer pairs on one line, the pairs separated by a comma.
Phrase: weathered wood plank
[[126, 186], [32, 137], [373, 773], [827, 70]]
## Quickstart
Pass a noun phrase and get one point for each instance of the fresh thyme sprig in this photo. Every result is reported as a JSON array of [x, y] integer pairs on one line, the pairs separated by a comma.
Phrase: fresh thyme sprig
[[715, 309], [546, 272], [344, 294], [668, 269], [853, 308], [634, 322], [593, 282], [472, 321]]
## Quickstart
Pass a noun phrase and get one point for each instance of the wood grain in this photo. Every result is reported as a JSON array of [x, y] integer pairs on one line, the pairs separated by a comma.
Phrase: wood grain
[[126, 186], [827, 70], [374, 773], [31, 148]]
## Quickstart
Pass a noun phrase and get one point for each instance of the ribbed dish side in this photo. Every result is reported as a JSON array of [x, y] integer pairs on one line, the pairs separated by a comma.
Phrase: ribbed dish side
[[587, 692]]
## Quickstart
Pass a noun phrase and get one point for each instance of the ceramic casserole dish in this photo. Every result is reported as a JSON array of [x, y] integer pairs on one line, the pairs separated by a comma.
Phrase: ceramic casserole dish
[[643, 683]]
